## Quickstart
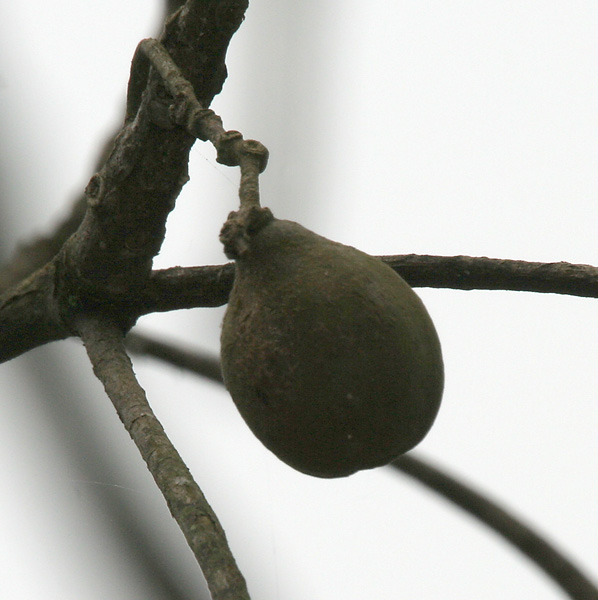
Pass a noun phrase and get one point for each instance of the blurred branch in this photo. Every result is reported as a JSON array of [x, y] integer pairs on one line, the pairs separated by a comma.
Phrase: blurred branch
[[98, 467], [533, 545], [205, 365], [34, 254], [559, 568], [112, 366]]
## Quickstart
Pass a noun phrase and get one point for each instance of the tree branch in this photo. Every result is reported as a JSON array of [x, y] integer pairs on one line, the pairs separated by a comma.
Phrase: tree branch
[[191, 287], [481, 273], [185, 287], [106, 265], [558, 567], [29, 315], [104, 344], [108, 259], [35, 253], [202, 364], [130, 198]]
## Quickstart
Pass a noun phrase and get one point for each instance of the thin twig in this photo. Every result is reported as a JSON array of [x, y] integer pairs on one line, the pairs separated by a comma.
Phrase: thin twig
[[481, 273], [559, 568], [189, 287], [203, 123], [187, 504]]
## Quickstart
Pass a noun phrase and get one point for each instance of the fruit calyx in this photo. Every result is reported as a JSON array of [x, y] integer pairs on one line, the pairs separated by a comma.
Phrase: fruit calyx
[[241, 226]]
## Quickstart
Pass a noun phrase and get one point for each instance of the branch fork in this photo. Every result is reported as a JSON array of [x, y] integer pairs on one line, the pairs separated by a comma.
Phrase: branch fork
[[86, 288]]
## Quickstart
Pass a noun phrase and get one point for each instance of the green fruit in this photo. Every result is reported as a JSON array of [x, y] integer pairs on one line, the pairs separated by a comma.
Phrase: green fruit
[[330, 357]]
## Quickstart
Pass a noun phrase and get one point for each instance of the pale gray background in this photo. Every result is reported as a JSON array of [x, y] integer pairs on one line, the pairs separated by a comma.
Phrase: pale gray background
[[464, 127]]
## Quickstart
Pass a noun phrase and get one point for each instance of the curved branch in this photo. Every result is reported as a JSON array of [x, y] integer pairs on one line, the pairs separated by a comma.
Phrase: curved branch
[[112, 366], [559, 568], [130, 198], [205, 365]]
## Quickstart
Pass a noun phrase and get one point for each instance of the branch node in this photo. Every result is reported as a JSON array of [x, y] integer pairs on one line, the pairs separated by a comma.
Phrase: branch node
[[258, 153], [227, 147], [203, 123]]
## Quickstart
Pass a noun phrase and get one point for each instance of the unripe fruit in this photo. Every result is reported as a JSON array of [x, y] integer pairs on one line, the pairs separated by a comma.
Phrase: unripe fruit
[[330, 357]]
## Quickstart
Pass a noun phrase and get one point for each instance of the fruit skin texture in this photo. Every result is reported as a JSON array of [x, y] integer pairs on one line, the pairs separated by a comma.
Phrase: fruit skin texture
[[329, 355]]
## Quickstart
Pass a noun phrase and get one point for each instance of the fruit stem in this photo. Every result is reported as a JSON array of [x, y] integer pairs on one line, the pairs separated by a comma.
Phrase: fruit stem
[[252, 158], [203, 123]]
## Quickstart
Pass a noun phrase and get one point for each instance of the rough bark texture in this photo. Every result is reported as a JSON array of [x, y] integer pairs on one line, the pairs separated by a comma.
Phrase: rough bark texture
[[107, 262], [187, 504]]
